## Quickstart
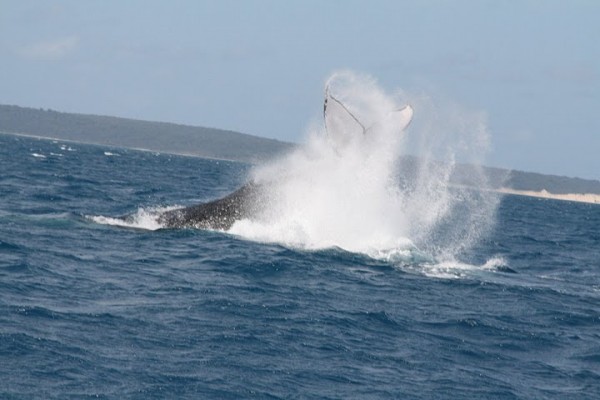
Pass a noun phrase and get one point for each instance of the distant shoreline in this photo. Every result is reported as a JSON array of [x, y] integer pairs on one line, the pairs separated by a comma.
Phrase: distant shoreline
[[28, 135], [589, 198], [163, 137], [544, 194]]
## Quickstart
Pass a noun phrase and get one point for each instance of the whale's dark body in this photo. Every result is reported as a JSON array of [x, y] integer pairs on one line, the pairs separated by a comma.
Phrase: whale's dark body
[[217, 214]]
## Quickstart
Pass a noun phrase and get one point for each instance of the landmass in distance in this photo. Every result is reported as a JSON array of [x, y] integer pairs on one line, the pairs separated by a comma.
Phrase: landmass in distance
[[229, 145]]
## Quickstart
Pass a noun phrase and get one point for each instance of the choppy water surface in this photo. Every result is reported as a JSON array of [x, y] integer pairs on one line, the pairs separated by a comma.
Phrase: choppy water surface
[[95, 310]]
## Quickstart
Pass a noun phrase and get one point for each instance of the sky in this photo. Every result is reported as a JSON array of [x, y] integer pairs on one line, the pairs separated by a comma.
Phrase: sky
[[259, 66]]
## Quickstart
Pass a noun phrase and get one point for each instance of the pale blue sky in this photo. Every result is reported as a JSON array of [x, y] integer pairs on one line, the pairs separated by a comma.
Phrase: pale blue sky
[[258, 66]]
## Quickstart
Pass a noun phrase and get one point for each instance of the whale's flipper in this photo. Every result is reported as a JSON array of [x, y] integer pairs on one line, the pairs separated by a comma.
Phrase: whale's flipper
[[343, 126], [340, 124]]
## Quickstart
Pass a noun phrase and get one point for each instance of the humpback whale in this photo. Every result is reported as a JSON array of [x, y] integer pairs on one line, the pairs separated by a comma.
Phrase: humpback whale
[[341, 126]]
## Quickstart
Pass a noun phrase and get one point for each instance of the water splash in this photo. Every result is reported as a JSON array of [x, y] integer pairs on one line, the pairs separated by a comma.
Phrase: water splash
[[365, 194], [144, 218]]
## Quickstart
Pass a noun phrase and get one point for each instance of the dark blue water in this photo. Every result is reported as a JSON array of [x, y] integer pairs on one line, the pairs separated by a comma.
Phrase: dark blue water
[[93, 310]]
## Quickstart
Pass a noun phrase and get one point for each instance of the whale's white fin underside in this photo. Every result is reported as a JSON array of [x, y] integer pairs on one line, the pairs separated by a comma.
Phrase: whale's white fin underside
[[343, 126]]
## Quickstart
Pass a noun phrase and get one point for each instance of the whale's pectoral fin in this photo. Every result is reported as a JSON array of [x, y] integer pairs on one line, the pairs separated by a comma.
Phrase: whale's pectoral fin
[[342, 126]]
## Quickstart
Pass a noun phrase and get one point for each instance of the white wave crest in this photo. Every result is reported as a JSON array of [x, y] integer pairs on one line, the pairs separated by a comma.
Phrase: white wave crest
[[454, 269]]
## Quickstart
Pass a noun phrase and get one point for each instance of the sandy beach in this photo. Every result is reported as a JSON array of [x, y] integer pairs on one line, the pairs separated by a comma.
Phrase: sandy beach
[[580, 197]]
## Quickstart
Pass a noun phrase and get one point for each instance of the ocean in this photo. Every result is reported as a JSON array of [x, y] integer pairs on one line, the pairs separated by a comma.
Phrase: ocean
[[90, 309], [355, 276]]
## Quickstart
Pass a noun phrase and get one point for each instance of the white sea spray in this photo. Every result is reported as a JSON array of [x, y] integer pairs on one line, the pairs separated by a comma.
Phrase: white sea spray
[[362, 196]]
